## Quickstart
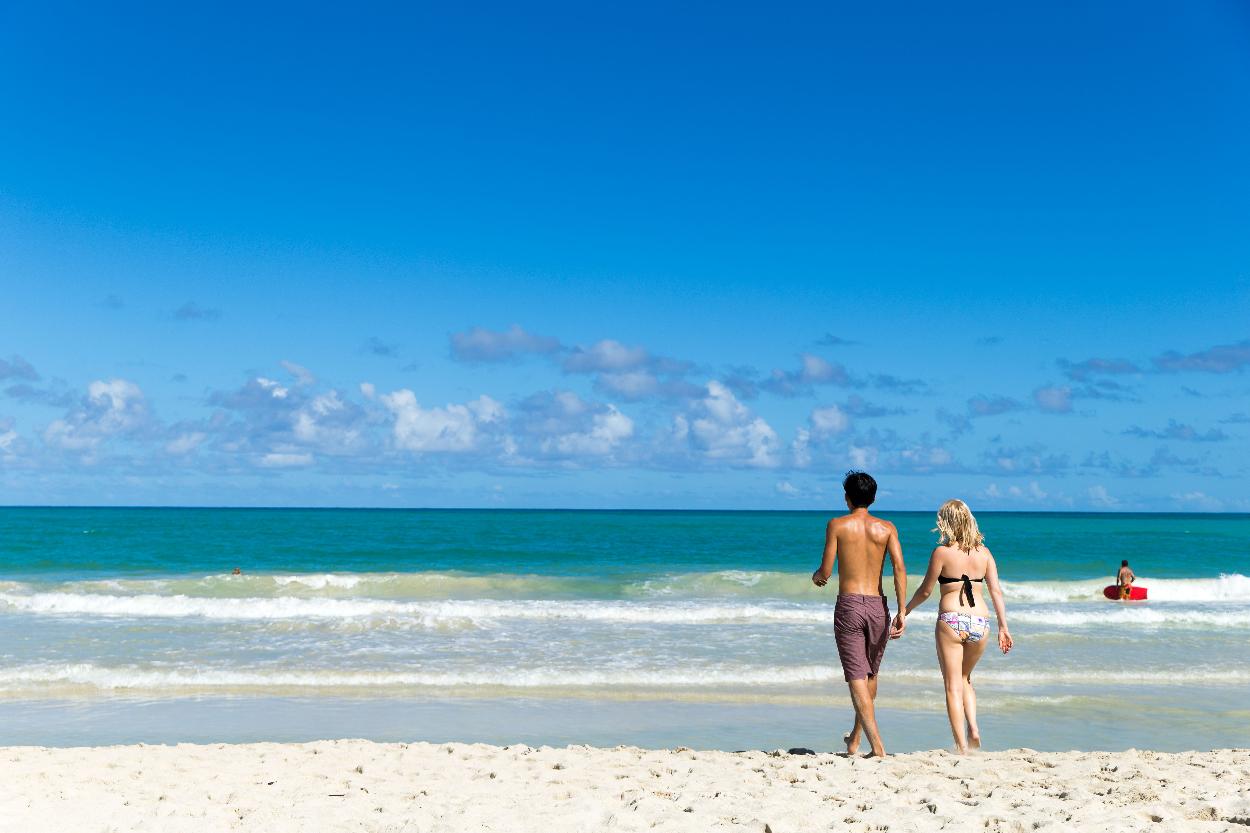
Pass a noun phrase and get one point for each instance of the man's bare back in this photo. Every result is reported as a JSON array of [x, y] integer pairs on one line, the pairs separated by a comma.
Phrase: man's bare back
[[857, 543]]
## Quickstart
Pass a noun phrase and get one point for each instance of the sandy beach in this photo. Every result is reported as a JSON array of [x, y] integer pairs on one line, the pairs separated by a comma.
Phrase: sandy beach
[[364, 786]]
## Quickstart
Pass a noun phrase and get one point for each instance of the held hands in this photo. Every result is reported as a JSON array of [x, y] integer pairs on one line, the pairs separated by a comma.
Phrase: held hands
[[1004, 640], [898, 626]]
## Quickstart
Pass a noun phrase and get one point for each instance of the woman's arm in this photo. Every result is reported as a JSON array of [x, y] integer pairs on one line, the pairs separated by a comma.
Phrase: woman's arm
[[1000, 609], [926, 586]]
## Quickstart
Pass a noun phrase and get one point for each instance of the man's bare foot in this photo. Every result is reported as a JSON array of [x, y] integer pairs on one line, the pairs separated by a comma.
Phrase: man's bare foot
[[851, 739]]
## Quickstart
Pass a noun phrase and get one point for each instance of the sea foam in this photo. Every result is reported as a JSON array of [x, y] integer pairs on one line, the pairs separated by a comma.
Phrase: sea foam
[[486, 612], [718, 584], [40, 677]]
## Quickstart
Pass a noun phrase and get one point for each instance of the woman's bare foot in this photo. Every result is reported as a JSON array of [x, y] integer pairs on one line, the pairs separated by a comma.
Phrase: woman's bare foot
[[851, 739], [974, 740]]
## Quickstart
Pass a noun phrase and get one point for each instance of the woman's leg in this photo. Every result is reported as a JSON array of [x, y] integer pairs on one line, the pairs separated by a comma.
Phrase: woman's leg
[[950, 651], [972, 653]]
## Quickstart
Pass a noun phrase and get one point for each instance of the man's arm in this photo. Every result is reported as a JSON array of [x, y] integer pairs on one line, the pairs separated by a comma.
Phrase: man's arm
[[821, 577], [900, 582]]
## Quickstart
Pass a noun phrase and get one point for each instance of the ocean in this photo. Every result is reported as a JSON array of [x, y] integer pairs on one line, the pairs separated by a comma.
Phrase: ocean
[[654, 628]]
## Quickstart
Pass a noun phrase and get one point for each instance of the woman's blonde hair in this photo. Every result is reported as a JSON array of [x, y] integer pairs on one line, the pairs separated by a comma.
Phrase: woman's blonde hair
[[957, 526]]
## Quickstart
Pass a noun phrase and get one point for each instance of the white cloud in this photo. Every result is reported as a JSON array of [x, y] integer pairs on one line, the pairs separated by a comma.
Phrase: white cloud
[[286, 459], [816, 369], [633, 384], [185, 443], [561, 424], [925, 457], [112, 407], [276, 390], [329, 422], [1032, 492], [725, 429], [862, 457], [800, 449], [785, 487], [831, 420], [453, 429], [813, 370], [620, 370], [609, 429], [481, 345], [606, 356], [1199, 500], [8, 436], [1099, 496], [303, 376], [681, 428]]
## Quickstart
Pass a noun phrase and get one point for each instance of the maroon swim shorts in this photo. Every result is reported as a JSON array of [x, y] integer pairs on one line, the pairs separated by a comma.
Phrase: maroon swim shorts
[[861, 626]]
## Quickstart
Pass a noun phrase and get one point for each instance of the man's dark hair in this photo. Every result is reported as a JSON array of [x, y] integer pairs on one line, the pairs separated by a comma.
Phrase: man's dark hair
[[860, 488], [1124, 563]]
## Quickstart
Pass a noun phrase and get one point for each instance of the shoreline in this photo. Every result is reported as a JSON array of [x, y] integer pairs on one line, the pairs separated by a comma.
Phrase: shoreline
[[368, 786], [1206, 722]]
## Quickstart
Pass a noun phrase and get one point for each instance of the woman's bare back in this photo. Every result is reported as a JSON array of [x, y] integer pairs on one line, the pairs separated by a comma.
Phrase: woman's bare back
[[955, 563]]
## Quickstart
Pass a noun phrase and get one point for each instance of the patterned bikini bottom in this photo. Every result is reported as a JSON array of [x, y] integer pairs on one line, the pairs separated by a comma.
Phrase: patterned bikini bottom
[[967, 627]]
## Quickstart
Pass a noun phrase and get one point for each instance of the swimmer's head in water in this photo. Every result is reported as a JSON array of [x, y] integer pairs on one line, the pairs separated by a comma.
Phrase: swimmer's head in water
[[957, 526], [860, 488]]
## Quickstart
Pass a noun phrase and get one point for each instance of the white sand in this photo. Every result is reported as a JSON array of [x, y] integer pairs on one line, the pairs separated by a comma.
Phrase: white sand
[[364, 786]]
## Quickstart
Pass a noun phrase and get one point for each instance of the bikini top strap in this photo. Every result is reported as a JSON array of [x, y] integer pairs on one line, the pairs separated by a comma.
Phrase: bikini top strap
[[967, 590]]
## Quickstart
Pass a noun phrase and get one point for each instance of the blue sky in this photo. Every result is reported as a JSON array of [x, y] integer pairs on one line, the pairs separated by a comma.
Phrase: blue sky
[[640, 257]]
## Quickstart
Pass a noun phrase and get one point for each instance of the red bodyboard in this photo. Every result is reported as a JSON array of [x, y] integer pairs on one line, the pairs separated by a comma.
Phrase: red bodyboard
[[1136, 594]]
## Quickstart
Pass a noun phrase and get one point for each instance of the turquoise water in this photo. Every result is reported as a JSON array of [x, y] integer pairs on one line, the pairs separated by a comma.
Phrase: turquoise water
[[694, 628]]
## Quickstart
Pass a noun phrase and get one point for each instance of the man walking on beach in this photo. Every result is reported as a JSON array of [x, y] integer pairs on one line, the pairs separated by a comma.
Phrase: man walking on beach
[[857, 543]]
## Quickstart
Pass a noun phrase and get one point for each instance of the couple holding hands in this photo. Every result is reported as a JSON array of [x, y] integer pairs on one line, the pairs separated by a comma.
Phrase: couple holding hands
[[960, 567]]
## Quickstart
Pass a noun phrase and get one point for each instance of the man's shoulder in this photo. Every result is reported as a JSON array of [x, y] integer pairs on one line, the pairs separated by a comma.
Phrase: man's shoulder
[[851, 516], [876, 519]]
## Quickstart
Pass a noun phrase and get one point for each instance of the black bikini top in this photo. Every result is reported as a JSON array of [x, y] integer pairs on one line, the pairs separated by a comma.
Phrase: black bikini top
[[966, 590]]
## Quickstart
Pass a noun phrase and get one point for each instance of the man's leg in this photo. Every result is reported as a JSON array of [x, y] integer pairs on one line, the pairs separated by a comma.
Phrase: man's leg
[[862, 694], [852, 738]]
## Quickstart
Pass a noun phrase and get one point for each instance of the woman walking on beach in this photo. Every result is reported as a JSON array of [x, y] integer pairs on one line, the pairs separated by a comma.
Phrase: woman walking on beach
[[960, 565]]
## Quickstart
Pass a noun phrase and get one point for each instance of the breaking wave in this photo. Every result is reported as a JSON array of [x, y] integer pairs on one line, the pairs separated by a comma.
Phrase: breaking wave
[[484, 612], [728, 584], [33, 678]]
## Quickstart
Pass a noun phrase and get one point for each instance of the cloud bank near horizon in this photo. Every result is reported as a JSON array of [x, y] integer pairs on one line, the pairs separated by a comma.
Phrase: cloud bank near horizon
[[638, 410]]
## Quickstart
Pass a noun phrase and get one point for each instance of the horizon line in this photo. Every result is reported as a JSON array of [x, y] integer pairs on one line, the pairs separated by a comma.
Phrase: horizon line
[[4, 506]]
